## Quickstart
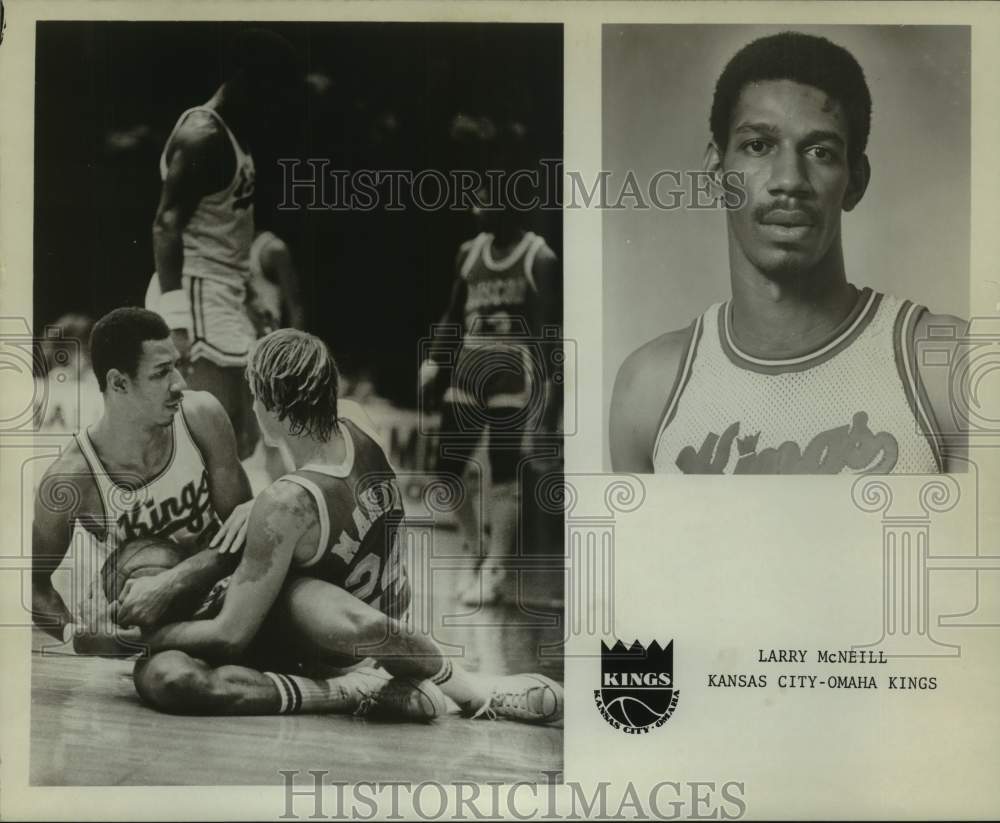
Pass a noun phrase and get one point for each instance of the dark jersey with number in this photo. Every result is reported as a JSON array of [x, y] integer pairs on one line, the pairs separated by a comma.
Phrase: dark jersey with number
[[496, 364], [360, 515]]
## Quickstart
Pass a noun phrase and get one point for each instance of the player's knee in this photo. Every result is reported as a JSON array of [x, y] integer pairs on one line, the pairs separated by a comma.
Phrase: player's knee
[[173, 682], [364, 627]]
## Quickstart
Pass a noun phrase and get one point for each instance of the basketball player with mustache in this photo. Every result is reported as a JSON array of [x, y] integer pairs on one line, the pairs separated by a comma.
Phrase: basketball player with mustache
[[801, 371], [160, 461]]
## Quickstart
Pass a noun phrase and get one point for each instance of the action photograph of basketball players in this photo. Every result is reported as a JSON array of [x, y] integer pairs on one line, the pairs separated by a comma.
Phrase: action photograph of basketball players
[[293, 460], [838, 159]]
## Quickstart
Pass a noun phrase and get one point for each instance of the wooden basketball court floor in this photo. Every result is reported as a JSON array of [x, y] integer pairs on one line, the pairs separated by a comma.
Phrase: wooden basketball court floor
[[88, 727]]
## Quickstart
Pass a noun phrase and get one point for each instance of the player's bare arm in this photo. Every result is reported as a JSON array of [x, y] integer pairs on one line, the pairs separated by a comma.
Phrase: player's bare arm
[[276, 260], [144, 601], [284, 518], [66, 494], [943, 330], [453, 316], [198, 163], [642, 387], [547, 272], [61, 495]]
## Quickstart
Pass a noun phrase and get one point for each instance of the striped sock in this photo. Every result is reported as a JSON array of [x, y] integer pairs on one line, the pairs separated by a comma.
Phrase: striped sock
[[469, 691], [444, 674], [305, 695], [288, 691]]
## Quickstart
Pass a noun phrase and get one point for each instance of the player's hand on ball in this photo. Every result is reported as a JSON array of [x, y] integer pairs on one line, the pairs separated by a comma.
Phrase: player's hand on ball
[[144, 601], [233, 534]]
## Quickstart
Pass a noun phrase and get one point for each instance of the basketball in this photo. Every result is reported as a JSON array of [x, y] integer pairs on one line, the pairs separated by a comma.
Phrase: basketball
[[138, 557]]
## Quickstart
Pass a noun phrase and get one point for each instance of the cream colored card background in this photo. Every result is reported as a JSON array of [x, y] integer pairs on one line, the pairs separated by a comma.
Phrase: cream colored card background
[[722, 568]]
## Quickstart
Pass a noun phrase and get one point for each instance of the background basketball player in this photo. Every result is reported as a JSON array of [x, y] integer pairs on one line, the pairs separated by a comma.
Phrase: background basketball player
[[320, 579], [159, 461], [801, 371], [274, 296], [204, 223], [273, 302], [507, 288]]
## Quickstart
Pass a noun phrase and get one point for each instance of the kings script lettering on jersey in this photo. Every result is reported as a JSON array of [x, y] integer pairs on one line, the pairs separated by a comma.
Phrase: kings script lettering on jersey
[[191, 509], [854, 447]]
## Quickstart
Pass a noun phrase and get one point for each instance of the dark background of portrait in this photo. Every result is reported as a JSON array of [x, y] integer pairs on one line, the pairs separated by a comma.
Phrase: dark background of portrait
[[908, 236], [108, 94]]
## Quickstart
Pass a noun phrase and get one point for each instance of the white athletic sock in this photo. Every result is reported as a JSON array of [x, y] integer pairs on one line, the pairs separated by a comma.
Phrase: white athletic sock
[[303, 695], [469, 691]]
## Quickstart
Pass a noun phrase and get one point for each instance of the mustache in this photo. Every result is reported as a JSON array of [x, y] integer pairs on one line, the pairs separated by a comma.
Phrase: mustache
[[764, 210]]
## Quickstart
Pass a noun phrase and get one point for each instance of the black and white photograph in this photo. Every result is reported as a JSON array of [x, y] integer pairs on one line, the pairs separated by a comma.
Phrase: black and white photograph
[[786, 238], [300, 372], [365, 366]]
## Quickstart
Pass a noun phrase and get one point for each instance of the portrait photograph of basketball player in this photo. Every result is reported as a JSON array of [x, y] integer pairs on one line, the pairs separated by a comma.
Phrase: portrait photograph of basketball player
[[800, 224], [293, 466]]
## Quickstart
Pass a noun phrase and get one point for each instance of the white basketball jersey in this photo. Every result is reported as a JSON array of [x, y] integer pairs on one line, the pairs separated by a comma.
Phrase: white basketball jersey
[[854, 404], [217, 238], [267, 293], [176, 504]]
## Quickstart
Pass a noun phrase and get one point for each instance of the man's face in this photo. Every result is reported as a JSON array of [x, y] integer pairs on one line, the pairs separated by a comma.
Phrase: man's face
[[156, 388], [790, 143]]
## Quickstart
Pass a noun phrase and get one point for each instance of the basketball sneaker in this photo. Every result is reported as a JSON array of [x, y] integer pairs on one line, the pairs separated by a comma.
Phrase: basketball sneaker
[[378, 695], [526, 698]]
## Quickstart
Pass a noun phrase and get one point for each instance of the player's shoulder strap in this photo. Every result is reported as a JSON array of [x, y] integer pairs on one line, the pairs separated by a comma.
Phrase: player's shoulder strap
[[96, 468], [904, 344], [180, 121], [692, 338], [535, 244], [473, 253], [316, 493], [186, 441], [353, 412]]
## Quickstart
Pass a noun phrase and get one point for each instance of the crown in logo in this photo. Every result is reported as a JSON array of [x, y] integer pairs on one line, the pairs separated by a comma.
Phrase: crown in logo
[[638, 658], [747, 445]]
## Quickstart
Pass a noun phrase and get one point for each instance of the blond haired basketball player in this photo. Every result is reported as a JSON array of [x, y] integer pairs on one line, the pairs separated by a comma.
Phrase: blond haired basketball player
[[801, 371], [204, 223], [160, 461], [321, 579]]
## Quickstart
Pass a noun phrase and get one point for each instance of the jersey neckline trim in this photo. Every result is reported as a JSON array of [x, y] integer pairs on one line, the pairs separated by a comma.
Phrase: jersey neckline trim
[[130, 489], [850, 328], [511, 258], [342, 469]]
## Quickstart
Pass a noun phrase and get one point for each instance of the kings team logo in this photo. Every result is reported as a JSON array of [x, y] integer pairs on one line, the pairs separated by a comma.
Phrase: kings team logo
[[637, 691]]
